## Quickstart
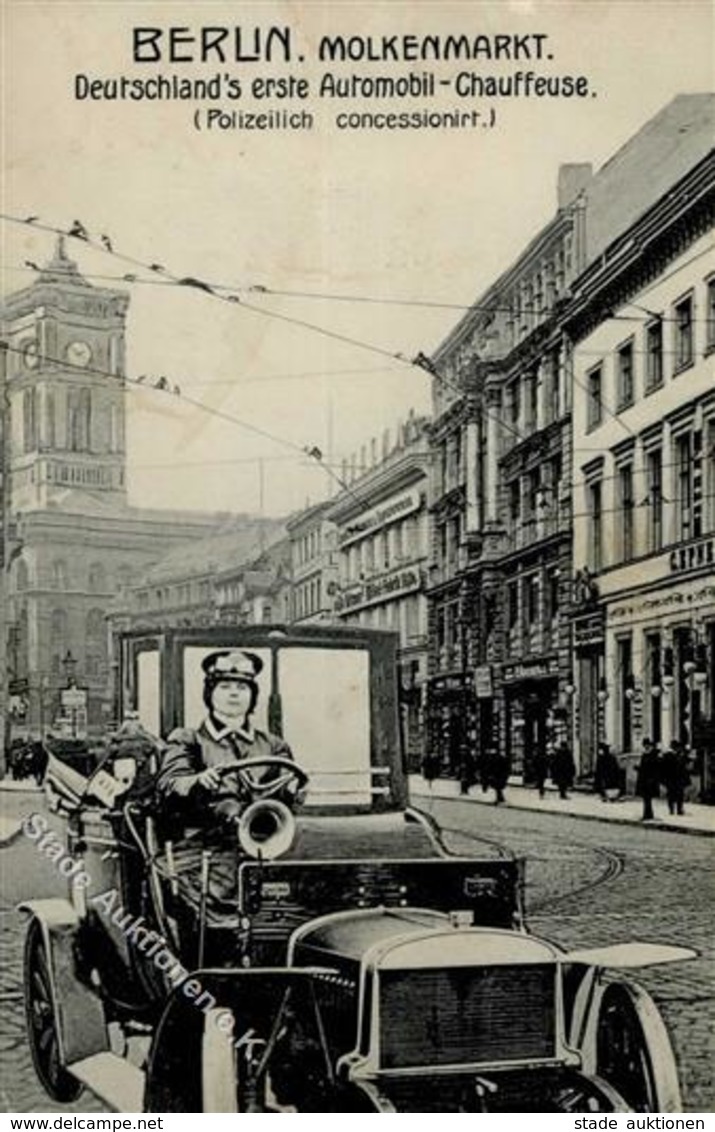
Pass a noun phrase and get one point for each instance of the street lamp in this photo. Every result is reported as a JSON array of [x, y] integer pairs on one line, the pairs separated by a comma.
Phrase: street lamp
[[69, 665]]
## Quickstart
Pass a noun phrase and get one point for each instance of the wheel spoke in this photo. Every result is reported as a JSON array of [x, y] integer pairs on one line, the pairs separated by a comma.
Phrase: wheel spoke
[[41, 988]]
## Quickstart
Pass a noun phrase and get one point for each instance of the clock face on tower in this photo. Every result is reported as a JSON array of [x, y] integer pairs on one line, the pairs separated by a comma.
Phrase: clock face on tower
[[78, 354]]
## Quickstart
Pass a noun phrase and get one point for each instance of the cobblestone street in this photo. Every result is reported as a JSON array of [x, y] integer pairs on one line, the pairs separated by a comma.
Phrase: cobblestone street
[[587, 883], [596, 883]]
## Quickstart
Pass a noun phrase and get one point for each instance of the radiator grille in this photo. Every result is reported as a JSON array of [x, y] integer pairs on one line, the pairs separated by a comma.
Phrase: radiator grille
[[477, 1014]]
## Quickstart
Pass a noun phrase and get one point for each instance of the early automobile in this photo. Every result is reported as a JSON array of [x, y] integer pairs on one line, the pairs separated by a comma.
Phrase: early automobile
[[352, 964]]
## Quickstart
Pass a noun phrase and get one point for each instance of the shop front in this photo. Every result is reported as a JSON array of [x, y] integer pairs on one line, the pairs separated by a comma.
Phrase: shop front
[[660, 652], [451, 746], [587, 689], [533, 716]]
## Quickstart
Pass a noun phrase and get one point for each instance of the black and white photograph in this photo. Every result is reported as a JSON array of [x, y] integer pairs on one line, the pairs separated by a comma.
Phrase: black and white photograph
[[357, 554]]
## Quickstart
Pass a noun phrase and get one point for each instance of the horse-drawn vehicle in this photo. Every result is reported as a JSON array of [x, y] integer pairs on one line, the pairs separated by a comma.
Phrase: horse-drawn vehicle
[[352, 964]]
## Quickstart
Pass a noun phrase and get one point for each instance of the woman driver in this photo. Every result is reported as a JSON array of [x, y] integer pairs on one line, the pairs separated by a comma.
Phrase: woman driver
[[189, 771]]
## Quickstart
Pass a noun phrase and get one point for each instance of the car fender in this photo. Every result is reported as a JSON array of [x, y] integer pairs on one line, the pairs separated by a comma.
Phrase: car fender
[[657, 1047], [81, 1024]]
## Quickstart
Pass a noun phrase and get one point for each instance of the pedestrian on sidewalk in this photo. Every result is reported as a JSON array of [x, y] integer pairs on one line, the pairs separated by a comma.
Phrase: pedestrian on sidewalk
[[648, 780], [541, 769], [676, 776], [607, 776], [498, 773], [430, 767], [563, 769]]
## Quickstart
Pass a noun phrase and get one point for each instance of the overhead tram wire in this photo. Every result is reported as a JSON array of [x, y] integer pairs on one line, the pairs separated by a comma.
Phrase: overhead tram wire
[[77, 231], [304, 450], [324, 296], [168, 278]]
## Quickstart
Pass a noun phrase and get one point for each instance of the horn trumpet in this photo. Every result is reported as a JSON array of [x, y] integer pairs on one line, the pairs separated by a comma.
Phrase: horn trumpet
[[266, 829]]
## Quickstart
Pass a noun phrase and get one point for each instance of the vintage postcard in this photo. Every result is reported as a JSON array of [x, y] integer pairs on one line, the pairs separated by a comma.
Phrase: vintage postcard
[[357, 645]]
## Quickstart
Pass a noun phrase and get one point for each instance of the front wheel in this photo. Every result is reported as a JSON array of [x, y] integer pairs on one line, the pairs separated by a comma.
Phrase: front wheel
[[630, 1049], [42, 1033]]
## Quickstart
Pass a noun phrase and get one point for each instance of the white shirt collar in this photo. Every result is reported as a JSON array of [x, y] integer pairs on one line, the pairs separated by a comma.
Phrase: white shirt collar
[[223, 727]]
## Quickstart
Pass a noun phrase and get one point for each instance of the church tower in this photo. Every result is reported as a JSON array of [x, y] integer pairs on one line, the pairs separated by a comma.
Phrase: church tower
[[66, 385]]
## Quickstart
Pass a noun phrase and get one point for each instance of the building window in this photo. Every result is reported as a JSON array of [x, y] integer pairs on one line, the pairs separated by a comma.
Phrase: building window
[[654, 690], [58, 628], [625, 692], [710, 316], [531, 600], [595, 514], [624, 376], [95, 642], [29, 420], [710, 479], [531, 498], [513, 402], [397, 542], [595, 398], [654, 473], [689, 498], [683, 330], [22, 577], [79, 411], [50, 419], [97, 578], [58, 578], [654, 355], [514, 502], [625, 506], [531, 408], [513, 604], [552, 392], [551, 595]]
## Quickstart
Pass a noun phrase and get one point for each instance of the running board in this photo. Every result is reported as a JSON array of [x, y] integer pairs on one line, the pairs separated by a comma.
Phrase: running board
[[113, 1079]]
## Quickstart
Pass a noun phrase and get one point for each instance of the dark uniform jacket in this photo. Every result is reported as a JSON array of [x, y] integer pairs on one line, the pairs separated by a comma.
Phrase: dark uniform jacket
[[190, 751]]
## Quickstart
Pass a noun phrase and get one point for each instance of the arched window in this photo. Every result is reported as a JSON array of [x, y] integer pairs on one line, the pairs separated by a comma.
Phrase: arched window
[[95, 636], [58, 629], [59, 574], [22, 576], [29, 420], [79, 413], [124, 577], [97, 578], [85, 412], [50, 419]]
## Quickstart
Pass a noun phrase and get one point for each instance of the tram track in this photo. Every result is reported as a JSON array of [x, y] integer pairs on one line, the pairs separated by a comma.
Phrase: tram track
[[613, 867]]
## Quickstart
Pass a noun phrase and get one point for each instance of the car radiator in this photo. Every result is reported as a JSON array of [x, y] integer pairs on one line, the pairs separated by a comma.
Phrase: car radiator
[[467, 1015]]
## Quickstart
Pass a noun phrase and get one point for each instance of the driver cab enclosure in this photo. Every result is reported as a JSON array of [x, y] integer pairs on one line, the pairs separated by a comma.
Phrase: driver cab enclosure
[[326, 699]]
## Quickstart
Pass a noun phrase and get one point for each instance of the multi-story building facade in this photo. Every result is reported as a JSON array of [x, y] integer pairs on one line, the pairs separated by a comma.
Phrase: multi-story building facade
[[226, 579], [259, 592], [382, 534], [642, 332], [501, 582], [501, 520], [314, 563]]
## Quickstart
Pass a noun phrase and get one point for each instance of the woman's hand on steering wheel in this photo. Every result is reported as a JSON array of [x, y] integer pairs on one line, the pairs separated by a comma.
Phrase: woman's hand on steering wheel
[[289, 775], [210, 779]]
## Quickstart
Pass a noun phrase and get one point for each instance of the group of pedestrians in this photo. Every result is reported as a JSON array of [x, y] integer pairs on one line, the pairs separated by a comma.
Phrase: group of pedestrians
[[670, 769]]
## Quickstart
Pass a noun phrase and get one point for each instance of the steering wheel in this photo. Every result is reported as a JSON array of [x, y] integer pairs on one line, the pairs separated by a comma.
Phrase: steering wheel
[[258, 790]]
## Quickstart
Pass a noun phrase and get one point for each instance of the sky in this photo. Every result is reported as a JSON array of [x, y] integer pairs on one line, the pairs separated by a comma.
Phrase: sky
[[348, 221]]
